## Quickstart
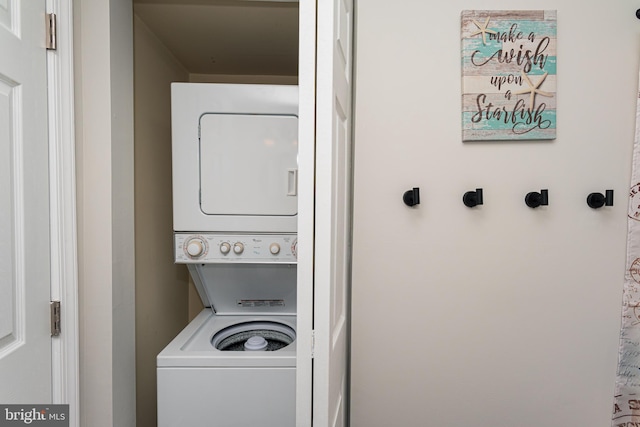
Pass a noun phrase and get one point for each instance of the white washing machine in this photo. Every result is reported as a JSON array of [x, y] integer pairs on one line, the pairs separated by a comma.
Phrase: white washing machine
[[199, 387], [235, 218], [234, 364]]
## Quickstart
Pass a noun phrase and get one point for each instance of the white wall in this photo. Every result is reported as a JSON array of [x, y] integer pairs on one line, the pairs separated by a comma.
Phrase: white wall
[[499, 315], [104, 139]]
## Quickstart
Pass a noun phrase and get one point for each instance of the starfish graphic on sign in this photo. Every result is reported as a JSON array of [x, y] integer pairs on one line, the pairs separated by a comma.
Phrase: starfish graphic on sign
[[482, 29], [533, 89]]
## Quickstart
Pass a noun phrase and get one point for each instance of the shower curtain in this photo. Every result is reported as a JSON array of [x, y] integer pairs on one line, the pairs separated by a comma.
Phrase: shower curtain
[[626, 407]]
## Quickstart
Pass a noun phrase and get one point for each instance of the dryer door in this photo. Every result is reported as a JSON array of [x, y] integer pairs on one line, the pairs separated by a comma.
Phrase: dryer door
[[234, 157], [248, 164]]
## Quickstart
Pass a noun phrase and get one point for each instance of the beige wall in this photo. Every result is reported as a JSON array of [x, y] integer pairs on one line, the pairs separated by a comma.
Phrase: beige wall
[[161, 285], [250, 79], [501, 315]]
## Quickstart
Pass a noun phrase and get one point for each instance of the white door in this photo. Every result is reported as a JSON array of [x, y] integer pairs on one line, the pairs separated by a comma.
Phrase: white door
[[333, 212], [25, 342]]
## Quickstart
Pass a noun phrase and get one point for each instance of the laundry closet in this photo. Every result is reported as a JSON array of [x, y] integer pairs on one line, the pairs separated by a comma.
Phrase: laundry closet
[[124, 332], [188, 41]]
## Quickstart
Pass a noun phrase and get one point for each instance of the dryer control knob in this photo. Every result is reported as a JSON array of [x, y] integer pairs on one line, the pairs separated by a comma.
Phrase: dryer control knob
[[238, 248], [225, 247], [274, 248], [195, 247]]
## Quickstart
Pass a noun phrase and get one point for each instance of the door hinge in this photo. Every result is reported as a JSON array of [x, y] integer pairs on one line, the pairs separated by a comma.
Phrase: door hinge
[[313, 343], [55, 319], [50, 25]]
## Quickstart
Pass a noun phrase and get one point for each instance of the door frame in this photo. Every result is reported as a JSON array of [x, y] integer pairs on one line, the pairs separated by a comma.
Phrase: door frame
[[316, 208], [62, 188], [306, 210], [63, 209]]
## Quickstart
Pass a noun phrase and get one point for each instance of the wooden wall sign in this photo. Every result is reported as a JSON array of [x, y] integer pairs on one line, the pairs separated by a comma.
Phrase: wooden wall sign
[[508, 75]]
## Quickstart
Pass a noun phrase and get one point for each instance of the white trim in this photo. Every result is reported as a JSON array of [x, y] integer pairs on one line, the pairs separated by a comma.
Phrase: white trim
[[16, 22], [306, 208], [18, 242], [332, 211], [64, 270], [324, 213], [19, 265]]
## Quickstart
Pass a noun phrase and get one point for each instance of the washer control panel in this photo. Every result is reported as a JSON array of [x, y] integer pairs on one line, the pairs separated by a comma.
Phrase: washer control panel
[[202, 248]]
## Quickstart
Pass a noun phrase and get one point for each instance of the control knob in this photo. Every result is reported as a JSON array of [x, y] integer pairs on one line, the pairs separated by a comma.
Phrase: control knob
[[274, 248], [195, 247], [225, 248], [238, 248]]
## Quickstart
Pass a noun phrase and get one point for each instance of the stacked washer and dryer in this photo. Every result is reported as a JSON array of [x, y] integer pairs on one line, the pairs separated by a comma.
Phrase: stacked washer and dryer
[[235, 205]]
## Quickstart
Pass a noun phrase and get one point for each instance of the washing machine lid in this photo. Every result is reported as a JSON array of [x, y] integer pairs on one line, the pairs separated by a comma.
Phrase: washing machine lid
[[246, 289]]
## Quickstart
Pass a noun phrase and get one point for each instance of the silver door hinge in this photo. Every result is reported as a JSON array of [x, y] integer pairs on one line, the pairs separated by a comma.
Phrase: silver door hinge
[[50, 25], [55, 319], [313, 343]]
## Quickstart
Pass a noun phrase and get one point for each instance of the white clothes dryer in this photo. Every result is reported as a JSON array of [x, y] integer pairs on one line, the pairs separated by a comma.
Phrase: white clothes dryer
[[235, 157]]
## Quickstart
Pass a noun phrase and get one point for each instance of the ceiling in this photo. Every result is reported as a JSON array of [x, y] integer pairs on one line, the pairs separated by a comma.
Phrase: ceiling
[[226, 36]]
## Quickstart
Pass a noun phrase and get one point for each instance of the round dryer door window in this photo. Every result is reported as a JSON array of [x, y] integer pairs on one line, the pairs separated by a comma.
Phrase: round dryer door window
[[254, 336]]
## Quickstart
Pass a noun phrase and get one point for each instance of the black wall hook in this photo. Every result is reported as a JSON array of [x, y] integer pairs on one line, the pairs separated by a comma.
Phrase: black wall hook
[[472, 198], [638, 13], [533, 199], [598, 200], [411, 197]]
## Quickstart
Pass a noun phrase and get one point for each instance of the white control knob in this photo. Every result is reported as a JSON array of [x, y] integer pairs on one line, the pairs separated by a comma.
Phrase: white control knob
[[238, 248], [225, 247], [195, 248], [274, 248]]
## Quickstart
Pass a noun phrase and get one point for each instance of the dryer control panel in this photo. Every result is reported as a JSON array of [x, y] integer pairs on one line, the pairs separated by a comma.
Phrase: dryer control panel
[[203, 248]]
